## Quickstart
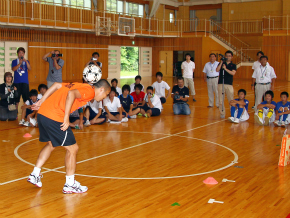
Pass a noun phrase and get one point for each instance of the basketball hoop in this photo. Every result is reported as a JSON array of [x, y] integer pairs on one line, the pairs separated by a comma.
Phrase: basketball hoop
[[126, 27]]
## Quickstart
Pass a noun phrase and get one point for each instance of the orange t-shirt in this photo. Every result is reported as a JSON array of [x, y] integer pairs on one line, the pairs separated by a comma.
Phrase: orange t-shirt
[[54, 106]]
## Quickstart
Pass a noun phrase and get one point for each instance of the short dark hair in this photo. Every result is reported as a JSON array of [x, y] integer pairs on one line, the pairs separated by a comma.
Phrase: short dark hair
[[264, 56], [187, 54], [149, 88], [126, 87], [57, 50], [284, 93], [114, 80], [212, 54], [42, 86], [33, 92], [113, 89], [270, 92], [20, 49], [229, 52], [159, 74], [102, 83], [138, 77], [260, 52], [242, 90], [95, 53], [180, 78], [138, 86]]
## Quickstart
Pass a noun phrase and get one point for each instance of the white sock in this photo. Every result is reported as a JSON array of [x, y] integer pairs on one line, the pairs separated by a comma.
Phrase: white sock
[[70, 180], [36, 171]]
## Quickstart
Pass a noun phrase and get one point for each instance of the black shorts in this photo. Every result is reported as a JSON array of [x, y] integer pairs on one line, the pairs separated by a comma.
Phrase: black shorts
[[155, 111], [49, 130], [73, 119]]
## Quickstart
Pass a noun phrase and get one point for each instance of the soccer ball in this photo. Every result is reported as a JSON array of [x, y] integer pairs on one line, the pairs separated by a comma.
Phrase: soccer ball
[[92, 74]]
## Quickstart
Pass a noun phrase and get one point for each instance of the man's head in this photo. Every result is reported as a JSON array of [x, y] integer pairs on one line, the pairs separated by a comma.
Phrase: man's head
[[8, 78], [269, 95], [126, 90], [180, 82], [284, 96], [159, 76], [20, 52], [138, 79], [95, 55], [114, 82], [56, 52], [33, 95], [149, 90], [42, 88], [212, 57], [138, 88], [259, 54], [264, 60], [242, 94], [229, 55], [187, 56], [102, 89]]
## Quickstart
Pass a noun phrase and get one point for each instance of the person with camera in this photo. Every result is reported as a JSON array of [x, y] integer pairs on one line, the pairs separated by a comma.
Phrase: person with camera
[[8, 98], [187, 68], [211, 77], [55, 67], [152, 106], [94, 60], [20, 66], [227, 69], [180, 95]]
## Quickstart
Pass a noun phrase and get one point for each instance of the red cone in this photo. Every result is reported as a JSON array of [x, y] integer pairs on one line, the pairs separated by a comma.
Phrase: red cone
[[210, 180], [27, 135]]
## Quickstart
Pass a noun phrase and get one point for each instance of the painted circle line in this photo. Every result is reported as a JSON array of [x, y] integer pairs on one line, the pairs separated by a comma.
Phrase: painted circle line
[[129, 178]]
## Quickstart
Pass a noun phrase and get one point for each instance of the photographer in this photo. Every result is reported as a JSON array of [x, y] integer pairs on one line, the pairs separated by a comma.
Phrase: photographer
[[225, 85], [94, 60], [8, 97], [55, 67], [153, 105], [180, 95], [20, 66]]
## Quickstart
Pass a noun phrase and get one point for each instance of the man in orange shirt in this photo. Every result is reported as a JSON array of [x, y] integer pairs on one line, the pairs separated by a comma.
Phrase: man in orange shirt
[[54, 109]]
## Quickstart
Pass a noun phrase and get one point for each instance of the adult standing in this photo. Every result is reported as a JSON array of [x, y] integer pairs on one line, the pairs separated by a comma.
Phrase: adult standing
[[55, 67], [187, 68], [256, 65], [225, 85], [20, 66], [265, 77], [211, 76]]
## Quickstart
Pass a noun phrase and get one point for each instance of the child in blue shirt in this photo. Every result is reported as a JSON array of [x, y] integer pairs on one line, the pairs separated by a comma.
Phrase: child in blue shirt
[[282, 110], [266, 110], [239, 108]]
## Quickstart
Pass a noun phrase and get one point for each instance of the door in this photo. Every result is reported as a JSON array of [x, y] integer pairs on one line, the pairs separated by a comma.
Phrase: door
[[114, 62], [145, 61], [166, 63]]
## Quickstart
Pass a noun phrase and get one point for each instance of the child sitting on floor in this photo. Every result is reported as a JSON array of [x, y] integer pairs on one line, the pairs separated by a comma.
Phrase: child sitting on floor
[[138, 96], [153, 105], [239, 108], [26, 109], [94, 114], [282, 110], [77, 119], [127, 103], [266, 110], [114, 83]]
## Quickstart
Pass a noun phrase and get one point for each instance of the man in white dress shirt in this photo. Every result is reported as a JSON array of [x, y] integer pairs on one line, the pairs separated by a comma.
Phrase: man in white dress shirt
[[265, 77], [187, 68], [211, 76], [256, 65]]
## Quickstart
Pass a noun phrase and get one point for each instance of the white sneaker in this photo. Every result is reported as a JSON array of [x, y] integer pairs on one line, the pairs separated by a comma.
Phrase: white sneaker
[[108, 121], [237, 120], [35, 180], [133, 117], [22, 122], [33, 121], [277, 123], [231, 119], [283, 124], [75, 188], [124, 120], [87, 123], [258, 119], [115, 121], [26, 123]]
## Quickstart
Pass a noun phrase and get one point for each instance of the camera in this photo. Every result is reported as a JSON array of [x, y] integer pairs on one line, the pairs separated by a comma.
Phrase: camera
[[176, 96], [21, 58], [223, 58], [56, 55]]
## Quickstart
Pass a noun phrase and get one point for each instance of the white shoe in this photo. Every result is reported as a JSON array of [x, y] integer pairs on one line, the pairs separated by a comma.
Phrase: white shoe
[[237, 120], [22, 122], [133, 117], [108, 121], [26, 123], [283, 124], [266, 122], [277, 123], [75, 188], [124, 120], [258, 119], [231, 119], [87, 123], [35, 180], [115, 121], [33, 121]]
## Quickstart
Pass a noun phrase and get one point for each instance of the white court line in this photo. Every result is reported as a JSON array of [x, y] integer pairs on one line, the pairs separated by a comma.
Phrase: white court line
[[35, 46]]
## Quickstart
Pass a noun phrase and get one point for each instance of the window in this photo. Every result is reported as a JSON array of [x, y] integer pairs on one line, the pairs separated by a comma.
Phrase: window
[[111, 5], [134, 9], [85, 4], [171, 17], [120, 7]]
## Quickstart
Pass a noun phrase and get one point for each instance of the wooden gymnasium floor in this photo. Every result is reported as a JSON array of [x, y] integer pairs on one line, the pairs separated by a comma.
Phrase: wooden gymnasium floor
[[140, 168]]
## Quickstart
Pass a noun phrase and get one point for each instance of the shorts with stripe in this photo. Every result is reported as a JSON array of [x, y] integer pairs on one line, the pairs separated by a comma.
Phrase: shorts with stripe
[[49, 130]]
